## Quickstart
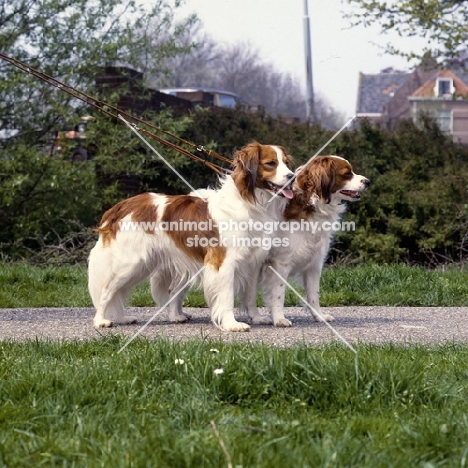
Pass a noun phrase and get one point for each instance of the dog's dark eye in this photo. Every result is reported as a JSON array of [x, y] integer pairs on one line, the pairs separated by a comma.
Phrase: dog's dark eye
[[271, 163]]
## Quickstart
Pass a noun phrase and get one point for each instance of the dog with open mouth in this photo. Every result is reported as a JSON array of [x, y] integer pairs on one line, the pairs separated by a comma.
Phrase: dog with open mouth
[[321, 189], [257, 189]]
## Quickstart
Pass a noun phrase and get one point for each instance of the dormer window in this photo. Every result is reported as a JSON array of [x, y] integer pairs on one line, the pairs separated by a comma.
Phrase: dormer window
[[444, 87]]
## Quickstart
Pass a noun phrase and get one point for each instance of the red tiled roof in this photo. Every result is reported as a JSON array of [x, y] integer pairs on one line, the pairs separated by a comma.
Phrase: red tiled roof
[[427, 89]]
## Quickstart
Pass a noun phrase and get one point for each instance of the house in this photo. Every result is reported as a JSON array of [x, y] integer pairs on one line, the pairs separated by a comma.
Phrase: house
[[137, 97], [376, 90], [443, 94]]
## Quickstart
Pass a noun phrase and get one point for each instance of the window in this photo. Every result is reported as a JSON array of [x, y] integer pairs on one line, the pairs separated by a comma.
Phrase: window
[[444, 120], [444, 87], [227, 101]]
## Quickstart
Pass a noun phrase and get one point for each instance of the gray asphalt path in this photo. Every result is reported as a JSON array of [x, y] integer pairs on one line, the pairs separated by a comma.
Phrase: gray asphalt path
[[353, 324]]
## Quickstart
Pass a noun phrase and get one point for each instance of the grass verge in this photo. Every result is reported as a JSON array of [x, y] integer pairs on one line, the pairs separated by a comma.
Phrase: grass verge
[[86, 405], [24, 285]]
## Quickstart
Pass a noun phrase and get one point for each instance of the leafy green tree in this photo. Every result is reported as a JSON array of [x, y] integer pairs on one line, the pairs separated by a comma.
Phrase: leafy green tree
[[443, 24], [44, 196], [71, 41], [415, 209]]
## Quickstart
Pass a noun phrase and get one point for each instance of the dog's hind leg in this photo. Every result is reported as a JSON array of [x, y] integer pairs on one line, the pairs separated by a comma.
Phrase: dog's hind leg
[[274, 288], [112, 304], [99, 269], [312, 286], [162, 290], [249, 299], [109, 283]]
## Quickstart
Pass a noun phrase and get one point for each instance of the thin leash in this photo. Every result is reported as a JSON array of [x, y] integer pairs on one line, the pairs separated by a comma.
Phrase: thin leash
[[114, 112]]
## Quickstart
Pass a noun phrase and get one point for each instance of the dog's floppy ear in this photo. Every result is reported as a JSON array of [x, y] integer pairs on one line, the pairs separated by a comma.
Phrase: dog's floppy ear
[[246, 162], [318, 178], [327, 179]]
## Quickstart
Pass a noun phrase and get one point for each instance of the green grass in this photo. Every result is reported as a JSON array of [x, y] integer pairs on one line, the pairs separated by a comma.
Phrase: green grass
[[23, 285], [85, 405], [395, 285]]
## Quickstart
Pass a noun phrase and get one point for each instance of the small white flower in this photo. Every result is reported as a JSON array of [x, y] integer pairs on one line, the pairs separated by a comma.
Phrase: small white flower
[[214, 350], [218, 371], [179, 361]]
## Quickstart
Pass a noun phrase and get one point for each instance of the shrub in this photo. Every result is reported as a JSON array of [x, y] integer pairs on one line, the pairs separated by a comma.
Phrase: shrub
[[416, 208], [414, 211]]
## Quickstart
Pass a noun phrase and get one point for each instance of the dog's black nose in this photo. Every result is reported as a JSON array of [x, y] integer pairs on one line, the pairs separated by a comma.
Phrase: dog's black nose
[[290, 176], [366, 182]]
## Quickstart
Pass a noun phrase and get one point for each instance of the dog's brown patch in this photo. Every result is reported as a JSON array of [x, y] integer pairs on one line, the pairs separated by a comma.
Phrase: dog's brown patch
[[141, 208], [245, 170], [179, 209], [298, 208], [194, 209]]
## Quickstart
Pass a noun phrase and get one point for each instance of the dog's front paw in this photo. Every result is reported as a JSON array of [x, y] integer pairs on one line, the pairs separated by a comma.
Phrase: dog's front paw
[[128, 319], [283, 322], [237, 327], [180, 318], [261, 320], [324, 318], [103, 323]]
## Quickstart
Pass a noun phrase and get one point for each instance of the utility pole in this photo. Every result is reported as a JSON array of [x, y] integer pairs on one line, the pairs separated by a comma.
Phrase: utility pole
[[308, 57]]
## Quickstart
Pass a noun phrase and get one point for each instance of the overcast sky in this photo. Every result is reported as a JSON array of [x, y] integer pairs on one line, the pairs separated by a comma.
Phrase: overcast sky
[[275, 27]]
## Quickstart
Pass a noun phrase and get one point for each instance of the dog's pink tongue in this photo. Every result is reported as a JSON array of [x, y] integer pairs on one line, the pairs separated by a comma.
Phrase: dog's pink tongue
[[287, 193]]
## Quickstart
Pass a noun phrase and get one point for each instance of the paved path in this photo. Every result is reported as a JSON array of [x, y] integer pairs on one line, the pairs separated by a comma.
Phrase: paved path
[[367, 324]]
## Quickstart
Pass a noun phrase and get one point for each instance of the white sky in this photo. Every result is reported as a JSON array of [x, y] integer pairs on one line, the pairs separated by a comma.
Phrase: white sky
[[275, 28]]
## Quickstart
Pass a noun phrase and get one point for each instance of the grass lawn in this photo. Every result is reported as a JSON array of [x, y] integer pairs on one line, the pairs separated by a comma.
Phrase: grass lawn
[[85, 405], [161, 404], [23, 285]]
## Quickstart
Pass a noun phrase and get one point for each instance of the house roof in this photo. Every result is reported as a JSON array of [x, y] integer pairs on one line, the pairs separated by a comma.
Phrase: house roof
[[427, 89], [377, 89], [461, 73]]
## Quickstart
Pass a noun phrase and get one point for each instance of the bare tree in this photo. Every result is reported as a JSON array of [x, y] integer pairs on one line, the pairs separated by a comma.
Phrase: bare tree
[[239, 68], [194, 66]]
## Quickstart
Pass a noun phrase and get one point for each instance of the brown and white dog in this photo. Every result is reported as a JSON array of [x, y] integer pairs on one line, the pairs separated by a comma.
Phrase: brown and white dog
[[138, 238], [320, 189]]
